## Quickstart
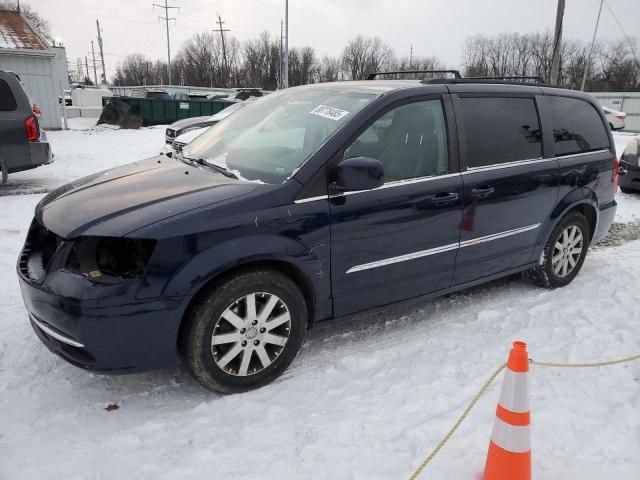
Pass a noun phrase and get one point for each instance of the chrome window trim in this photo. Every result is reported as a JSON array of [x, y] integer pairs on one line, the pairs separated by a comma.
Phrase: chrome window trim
[[55, 334], [312, 199], [395, 183], [498, 166], [442, 249], [572, 155], [400, 183]]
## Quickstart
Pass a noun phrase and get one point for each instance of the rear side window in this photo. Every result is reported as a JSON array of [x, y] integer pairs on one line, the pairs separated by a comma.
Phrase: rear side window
[[577, 127], [500, 130], [7, 100]]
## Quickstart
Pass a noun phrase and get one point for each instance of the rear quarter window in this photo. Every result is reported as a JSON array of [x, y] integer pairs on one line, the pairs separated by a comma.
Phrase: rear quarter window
[[7, 99], [577, 126]]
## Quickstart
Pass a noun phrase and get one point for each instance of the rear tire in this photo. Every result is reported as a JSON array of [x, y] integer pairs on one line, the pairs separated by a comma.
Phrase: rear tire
[[564, 252], [627, 190], [242, 333]]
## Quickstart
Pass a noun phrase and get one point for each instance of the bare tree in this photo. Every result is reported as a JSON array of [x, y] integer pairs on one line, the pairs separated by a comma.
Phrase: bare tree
[[256, 62], [199, 60], [303, 66], [135, 69], [261, 62], [365, 55], [330, 69]]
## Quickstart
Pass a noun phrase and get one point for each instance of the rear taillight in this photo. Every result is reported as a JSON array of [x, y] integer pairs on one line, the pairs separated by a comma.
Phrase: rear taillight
[[616, 174], [32, 129], [36, 110], [620, 117]]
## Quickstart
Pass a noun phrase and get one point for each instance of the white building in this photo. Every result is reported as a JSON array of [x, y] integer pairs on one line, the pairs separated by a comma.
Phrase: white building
[[41, 68]]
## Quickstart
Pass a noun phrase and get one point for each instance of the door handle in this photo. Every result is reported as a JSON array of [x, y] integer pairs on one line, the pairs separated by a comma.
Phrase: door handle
[[442, 199], [482, 191]]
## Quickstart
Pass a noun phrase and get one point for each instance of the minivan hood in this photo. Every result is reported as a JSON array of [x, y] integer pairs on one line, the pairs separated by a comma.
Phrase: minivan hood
[[118, 201]]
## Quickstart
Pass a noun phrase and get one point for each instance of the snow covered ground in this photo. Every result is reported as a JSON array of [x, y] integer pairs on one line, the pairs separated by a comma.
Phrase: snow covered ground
[[366, 399]]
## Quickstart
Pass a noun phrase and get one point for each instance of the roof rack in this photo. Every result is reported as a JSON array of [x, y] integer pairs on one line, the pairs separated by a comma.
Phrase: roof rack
[[485, 81], [532, 78], [455, 73]]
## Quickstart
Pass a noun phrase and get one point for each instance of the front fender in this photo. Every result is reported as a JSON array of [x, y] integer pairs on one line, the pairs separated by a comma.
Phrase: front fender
[[202, 268]]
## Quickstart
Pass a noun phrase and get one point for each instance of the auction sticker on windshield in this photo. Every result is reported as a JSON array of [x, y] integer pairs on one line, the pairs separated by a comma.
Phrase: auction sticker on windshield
[[329, 112]]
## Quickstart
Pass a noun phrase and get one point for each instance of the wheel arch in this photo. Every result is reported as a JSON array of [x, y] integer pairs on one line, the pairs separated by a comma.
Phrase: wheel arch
[[577, 201], [287, 268]]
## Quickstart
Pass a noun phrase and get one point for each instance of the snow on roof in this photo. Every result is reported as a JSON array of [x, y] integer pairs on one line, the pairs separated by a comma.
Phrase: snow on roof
[[16, 33]]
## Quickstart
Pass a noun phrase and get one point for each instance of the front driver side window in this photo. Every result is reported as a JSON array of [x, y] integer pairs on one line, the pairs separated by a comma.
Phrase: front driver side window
[[410, 141]]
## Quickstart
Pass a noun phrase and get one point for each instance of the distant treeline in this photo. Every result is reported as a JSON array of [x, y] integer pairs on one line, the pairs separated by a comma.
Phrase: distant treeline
[[258, 62]]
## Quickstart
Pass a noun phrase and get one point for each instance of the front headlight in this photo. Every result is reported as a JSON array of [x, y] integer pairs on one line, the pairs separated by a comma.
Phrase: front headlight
[[110, 259]]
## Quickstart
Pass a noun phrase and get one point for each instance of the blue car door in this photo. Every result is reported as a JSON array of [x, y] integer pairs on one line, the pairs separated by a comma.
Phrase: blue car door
[[400, 240], [510, 188]]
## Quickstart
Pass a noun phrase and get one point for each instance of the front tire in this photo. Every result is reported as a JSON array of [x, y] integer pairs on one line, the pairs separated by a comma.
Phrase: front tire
[[243, 333], [564, 252]]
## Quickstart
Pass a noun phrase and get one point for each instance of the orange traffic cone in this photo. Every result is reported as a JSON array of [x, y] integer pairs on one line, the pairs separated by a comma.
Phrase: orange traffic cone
[[509, 456]]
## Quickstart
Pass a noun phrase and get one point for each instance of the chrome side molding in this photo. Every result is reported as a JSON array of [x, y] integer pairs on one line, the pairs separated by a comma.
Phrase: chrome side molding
[[443, 249]]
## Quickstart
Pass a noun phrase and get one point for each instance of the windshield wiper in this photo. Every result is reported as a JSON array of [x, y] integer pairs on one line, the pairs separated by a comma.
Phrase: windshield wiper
[[218, 168], [183, 159]]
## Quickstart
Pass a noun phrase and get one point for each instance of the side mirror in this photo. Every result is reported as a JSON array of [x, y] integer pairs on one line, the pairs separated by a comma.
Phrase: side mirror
[[359, 173]]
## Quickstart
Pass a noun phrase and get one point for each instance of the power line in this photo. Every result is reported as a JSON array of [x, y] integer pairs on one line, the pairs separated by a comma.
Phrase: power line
[[593, 41], [167, 19], [633, 50]]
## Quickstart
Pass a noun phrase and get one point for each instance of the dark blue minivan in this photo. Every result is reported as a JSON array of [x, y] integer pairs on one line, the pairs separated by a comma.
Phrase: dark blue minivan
[[314, 203]]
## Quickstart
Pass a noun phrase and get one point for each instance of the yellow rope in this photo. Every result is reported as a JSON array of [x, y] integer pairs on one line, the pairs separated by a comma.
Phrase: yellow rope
[[486, 385], [457, 424], [585, 365]]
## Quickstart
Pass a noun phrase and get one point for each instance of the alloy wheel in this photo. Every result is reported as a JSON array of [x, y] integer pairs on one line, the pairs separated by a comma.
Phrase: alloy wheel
[[250, 334], [567, 251]]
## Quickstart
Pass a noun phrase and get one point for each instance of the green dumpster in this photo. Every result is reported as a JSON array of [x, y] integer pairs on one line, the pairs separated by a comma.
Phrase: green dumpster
[[149, 111]]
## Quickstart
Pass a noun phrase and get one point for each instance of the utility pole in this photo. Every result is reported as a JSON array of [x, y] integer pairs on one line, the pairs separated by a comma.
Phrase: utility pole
[[86, 66], [95, 70], [280, 82], [104, 70], [286, 44], [79, 69], [557, 44], [224, 51], [593, 41], [167, 19], [410, 56]]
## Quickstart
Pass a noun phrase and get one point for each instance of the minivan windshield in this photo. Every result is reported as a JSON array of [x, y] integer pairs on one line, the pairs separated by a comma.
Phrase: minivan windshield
[[270, 139]]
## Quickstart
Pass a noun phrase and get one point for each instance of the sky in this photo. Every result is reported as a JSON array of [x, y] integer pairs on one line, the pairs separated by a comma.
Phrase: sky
[[433, 27]]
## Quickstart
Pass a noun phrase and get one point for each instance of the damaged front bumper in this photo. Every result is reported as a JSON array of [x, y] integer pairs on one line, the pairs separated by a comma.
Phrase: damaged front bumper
[[96, 325]]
